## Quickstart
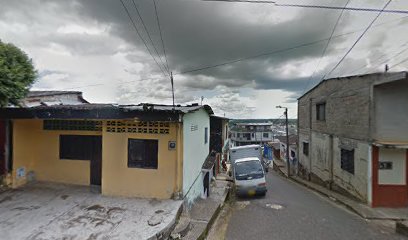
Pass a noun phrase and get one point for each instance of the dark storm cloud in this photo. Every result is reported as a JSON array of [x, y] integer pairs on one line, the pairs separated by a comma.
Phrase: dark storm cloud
[[198, 34]]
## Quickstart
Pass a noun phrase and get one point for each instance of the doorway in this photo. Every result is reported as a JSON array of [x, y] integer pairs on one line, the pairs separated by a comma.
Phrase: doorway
[[96, 161]]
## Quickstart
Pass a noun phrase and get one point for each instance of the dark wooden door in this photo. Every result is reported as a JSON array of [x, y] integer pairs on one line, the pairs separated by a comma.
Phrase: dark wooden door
[[96, 160]]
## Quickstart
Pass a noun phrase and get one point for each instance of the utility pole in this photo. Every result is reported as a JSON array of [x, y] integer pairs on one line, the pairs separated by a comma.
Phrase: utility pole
[[287, 139], [172, 88]]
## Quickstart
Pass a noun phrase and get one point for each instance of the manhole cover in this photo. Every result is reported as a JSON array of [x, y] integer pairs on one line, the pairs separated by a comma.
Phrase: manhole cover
[[274, 206]]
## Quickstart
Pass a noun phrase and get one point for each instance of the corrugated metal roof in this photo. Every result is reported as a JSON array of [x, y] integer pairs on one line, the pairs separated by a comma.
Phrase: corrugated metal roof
[[140, 107], [50, 93], [159, 107], [292, 139]]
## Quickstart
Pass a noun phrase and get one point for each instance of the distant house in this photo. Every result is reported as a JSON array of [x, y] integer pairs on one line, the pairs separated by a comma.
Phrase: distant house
[[144, 150], [243, 133], [292, 146], [353, 137]]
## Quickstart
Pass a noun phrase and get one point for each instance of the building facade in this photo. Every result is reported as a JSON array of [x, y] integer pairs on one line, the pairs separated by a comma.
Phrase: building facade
[[251, 133], [149, 151], [353, 137]]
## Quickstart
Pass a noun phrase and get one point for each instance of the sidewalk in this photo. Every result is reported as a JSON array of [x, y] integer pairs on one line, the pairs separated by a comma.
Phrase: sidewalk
[[43, 210], [396, 214], [195, 223]]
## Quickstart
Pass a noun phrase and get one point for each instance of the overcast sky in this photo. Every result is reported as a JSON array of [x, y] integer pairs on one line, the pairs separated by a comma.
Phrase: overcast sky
[[91, 46]]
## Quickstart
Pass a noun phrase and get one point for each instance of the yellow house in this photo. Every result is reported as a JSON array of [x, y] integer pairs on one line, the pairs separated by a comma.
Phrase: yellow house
[[145, 150]]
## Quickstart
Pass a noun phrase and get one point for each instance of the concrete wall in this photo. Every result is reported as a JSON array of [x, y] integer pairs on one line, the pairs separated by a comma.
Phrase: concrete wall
[[321, 155], [304, 160], [37, 150], [397, 174], [195, 151], [119, 180], [347, 107], [355, 184], [325, 152], [391, 112]]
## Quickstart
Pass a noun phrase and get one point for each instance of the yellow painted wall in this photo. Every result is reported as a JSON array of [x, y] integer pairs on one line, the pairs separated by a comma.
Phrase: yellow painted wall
[[37, 150], [119, 180]]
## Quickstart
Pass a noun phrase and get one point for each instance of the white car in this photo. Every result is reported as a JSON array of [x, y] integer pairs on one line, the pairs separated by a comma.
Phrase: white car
[[249, 176]]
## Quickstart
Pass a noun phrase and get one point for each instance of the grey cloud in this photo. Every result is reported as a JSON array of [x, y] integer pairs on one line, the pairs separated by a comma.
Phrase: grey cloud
[[198, 34]]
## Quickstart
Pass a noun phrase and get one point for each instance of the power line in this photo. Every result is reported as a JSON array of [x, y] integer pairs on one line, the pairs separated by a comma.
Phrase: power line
[[340, 8], [140, 36], [119, 83], [314, 6], [260, 55], [401, 62], [327, 45], [148, 35], [278, 51], [161, 36], [385, 61], [358, 39]]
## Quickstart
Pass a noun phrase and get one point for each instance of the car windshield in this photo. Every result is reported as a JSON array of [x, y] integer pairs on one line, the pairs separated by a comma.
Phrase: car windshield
[[248, 170]]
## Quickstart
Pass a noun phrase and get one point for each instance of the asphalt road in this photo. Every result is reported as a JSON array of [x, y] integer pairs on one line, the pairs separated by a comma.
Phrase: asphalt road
[[290, 211]]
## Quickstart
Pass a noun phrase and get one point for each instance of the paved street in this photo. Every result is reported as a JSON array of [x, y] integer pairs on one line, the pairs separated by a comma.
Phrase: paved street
[[290, 211]]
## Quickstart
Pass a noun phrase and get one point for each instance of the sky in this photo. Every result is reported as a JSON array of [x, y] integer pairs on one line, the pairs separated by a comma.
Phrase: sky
[[92, 46]]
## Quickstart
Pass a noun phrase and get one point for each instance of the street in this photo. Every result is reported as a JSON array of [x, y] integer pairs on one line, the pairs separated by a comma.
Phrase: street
[[290, 211]]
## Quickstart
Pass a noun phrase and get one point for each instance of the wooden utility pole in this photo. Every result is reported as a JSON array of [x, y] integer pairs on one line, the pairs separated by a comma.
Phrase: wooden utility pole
[[172, 88], [287, 139], [287, 142]]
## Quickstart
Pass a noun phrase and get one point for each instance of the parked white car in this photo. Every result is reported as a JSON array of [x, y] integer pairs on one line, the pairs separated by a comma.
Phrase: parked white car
[[248, 151], [249, 176]]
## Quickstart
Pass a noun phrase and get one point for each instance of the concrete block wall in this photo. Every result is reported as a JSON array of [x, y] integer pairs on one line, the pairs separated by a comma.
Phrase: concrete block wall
[[348, 110], [347, 107], [355, 184]]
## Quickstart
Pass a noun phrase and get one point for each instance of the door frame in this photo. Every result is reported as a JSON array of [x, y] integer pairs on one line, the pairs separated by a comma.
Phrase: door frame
[[95, 175], [388, 195]]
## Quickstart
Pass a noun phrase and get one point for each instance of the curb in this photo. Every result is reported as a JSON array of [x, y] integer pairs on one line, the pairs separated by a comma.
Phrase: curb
[[203, 235], [166, 231], [402, 228], [328, 195]]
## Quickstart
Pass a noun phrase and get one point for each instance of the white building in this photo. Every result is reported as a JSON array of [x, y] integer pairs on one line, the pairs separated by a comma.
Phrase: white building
[[251, 133]]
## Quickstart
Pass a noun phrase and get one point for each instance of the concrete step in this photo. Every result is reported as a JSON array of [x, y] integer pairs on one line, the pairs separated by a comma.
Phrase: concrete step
[[182, 228], [402, 228]]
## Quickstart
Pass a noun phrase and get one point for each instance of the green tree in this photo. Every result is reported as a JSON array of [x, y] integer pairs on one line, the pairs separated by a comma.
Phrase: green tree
[[17, 74]]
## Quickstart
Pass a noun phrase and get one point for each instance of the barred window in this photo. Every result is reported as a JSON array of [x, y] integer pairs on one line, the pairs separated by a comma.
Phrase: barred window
[[266, 135], [321, 112], [75, 147], [142, 153], [306, 148], [347, 160]]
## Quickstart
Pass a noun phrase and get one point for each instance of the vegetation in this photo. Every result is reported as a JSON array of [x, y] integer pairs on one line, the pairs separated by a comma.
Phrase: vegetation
[[17, 74]]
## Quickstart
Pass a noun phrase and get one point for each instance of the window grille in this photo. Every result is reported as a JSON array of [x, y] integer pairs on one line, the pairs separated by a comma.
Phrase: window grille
[[73, 125], [142, 153], [347, 160], [321, 112], [306, 148], [137, 127]]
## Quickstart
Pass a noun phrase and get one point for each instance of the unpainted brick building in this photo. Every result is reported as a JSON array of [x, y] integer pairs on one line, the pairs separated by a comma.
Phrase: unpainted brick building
[[353, 137]]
